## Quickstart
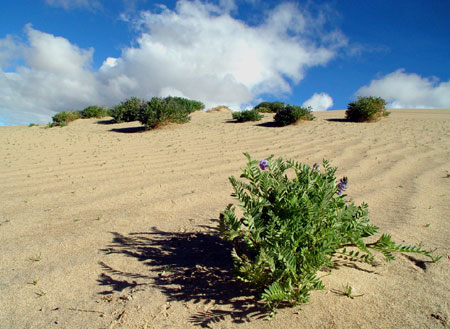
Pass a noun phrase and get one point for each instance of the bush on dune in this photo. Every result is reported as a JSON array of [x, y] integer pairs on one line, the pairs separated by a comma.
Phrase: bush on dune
[[189, 105], [160, 111], [269, 107], [296, 220], [128, 110], [94, 111], [61, 119], [248, 115], [290, 114], [366, 109]]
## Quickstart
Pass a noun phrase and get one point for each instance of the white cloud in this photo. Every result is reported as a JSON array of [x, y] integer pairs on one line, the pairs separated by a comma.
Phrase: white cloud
[[55, 78], [319, 102], [10, 50], [409, 90], [197, 50]]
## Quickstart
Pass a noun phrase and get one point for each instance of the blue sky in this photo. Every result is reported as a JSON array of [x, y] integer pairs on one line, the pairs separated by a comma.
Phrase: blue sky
[[58, 55]]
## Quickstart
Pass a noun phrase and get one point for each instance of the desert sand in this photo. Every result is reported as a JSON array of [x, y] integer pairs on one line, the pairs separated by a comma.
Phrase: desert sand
[[107, 226]]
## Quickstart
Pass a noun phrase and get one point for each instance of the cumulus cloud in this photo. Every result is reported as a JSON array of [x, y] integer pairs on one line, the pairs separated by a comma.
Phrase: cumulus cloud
[[10, 50], [56, 77], [197, 50], [409, 90], [319, 102]]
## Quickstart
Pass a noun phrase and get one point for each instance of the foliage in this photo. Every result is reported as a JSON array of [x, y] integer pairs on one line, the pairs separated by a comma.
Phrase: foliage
[[63, 118], [292, 227], [128, 110], [366, 109], [189, 105], [248, 115], [292, 113], [158, 111], [269, 107], [94, 111], [32, 124]]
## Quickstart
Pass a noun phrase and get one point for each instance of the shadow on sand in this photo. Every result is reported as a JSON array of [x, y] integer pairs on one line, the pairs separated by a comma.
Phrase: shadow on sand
[[337, 120], [129, 130], [195, 267]]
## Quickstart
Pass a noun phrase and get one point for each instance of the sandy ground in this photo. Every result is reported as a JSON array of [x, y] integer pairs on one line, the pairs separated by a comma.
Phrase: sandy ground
[[106, 226]]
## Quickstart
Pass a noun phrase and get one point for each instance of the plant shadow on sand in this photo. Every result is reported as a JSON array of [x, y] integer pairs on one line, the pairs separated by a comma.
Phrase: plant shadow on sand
[[190, 267], [337, 120], [129, 130]]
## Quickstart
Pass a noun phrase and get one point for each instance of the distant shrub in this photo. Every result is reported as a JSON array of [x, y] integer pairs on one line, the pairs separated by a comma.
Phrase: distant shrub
[[128, 110], [63, 118], [189, 105], [248, 115], [32, 125], [269, 107], [94, 111], [366, 109], [160, 111], [290, 114]]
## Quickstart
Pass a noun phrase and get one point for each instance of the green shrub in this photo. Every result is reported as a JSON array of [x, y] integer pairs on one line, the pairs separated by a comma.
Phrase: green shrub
[[189, 105], [366, 109], [290, 114], [94, 111], [128, 110], [159, 111], [269, 107], [292, 227], [63, 118], [248, 115]]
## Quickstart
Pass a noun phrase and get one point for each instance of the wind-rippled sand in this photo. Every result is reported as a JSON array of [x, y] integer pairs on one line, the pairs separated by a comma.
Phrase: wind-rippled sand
[[106, 226]]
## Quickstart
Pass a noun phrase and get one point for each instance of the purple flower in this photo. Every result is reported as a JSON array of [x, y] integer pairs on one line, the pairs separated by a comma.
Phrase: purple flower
[[316, 167], [263, 164], [342, 185]]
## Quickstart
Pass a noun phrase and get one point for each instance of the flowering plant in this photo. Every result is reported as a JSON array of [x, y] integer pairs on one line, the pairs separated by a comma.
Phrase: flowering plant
[[292, 228]]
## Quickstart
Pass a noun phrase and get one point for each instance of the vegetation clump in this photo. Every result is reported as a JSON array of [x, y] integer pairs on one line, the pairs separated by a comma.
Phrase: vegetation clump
[[189, 105], [269, 107], [293, 227], [150, 113], [290, 114], [94, 111], [247, 115], [62, 119], [366, 109], [128, 110], [159, 111]]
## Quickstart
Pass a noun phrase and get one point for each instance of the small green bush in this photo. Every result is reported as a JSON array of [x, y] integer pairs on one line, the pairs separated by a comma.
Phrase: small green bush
[[293, 227], [290, 114], [94, 111], [189, 105], [248, 115], [63, 118], [128, 110], [160, 111], [269, 107], [366, 109]]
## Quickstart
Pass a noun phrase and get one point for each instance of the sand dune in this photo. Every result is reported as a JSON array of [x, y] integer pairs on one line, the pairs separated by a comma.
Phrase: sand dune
[[106, 226]]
